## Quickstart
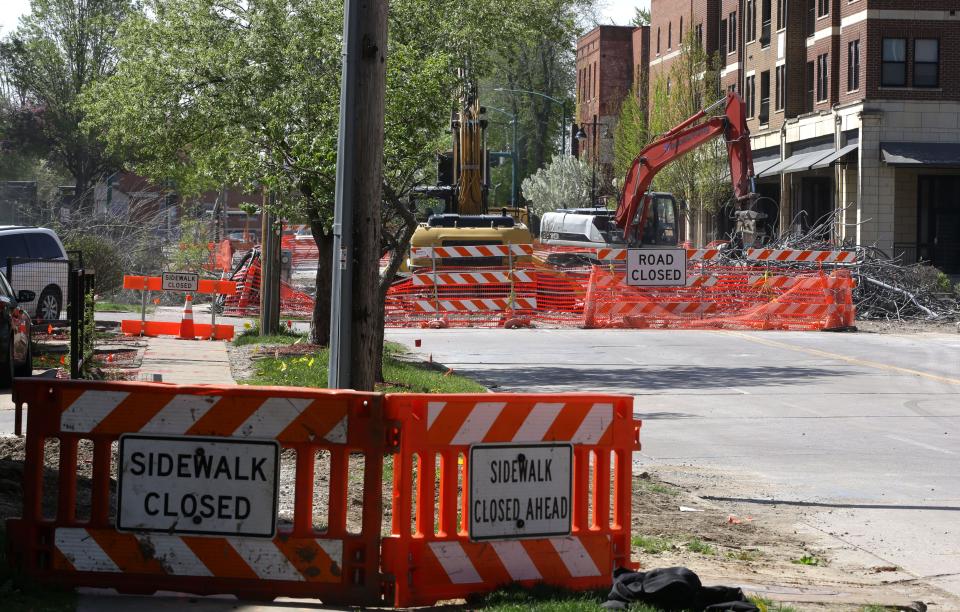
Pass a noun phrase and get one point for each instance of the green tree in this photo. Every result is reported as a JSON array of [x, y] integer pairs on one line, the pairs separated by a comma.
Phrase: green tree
[[700, 177], [562, 183], [60, 49], [540, 57], [631, 133], [641, 17]]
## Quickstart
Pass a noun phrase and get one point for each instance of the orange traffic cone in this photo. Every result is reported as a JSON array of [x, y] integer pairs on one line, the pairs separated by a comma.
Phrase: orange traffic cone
[[186, 324]]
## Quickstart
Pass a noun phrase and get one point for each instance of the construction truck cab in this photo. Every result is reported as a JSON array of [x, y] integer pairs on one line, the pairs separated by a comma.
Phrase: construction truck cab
[[596, 227]]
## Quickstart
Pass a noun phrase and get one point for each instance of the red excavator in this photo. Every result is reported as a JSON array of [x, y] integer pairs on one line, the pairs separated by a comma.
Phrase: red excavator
[[634, 207]]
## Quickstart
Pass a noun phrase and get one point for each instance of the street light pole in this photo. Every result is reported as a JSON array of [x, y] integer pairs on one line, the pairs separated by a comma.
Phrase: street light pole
[[513, 155], [594, 162], [563, 112]]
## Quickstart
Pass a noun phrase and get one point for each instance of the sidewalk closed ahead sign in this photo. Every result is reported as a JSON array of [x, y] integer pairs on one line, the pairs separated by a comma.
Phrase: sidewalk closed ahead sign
[[520, 491], [198, 485]]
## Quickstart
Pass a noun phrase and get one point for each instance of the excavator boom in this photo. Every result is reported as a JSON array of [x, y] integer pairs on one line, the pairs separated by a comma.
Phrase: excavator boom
[[633, 208]]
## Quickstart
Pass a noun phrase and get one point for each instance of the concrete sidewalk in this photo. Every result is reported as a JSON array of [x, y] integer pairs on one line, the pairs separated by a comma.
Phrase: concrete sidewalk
[[185, 362]]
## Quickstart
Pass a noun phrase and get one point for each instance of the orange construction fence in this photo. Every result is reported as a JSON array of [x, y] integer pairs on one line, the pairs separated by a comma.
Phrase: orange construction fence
[[245, 300], [801, 290], [265, 492]]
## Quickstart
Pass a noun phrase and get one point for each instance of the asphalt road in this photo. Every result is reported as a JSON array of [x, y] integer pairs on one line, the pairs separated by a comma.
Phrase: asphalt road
[[862, 430]]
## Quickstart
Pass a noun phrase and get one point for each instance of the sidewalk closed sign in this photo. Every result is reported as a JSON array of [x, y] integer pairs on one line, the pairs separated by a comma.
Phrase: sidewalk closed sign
[[180, 281], [520, 491], [198, 485], [657, 267]]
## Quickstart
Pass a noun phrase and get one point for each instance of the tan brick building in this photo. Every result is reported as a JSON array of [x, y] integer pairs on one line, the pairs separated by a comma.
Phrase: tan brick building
[[854, 106]]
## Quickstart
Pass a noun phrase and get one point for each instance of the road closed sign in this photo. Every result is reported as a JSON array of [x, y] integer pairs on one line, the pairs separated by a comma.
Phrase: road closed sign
[[657, 267], [198, 485], [180, 281], [520, 491]]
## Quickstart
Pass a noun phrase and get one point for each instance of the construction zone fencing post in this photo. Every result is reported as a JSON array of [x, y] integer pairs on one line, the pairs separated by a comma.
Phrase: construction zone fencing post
[[530, 488], [215, 489]]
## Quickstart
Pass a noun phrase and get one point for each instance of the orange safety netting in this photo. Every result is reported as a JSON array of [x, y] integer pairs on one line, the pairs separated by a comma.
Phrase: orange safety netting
[[246, 300], [597, 296]]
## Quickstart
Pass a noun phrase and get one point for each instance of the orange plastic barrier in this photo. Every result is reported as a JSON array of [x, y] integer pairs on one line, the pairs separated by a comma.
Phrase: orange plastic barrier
[[153, 283], [132, 327], [311, 554], [436, 559]]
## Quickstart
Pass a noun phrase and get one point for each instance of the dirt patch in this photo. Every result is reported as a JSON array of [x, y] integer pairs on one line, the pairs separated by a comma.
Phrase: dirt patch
[[879, 326], [768, 550], [241, 361]]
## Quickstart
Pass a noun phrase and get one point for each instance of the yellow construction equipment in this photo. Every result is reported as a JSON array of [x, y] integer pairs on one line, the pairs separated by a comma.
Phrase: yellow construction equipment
[[463, 179]]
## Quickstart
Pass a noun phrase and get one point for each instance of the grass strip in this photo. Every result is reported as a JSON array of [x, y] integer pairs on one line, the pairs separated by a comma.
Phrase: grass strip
[[400, 375]]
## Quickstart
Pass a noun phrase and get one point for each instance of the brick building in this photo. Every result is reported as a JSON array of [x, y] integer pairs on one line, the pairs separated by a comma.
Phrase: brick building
[[610, 59], [853, 110]]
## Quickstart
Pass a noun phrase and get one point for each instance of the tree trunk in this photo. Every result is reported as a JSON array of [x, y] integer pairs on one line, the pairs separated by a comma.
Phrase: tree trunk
[[366, 345], [320, 323]]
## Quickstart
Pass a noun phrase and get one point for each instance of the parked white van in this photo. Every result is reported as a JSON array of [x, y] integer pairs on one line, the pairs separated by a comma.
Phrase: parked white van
[[48, 281]]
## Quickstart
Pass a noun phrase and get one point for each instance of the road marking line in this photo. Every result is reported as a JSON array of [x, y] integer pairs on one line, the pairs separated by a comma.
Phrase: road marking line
[[853, 360], [922, 445]]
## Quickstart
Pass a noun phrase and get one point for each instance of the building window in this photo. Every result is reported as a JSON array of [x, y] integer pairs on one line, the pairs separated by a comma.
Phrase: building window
[[723, 41], [894, 68], [765, 97], [926, 62], [596, 79], [750, 20], [765, 23], [680, 33], [732, 88], [823, 8], [670, 35], [808, 107], [698, 33], [658, 41], [749, 95], [822, 78], [811, 17], [732, 32], [781, 14], [781, 86], [668, 86], [853, 65]]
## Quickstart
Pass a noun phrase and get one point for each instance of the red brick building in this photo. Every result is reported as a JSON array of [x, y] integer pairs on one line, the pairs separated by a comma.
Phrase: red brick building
[[854, 110], [610, 60]]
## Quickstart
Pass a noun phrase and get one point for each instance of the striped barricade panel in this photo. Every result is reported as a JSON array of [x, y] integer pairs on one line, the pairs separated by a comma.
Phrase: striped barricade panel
[[433, 559], [477, 250], [493, 277], [289, 557], [620, 255], [475, 306], [802, 256]]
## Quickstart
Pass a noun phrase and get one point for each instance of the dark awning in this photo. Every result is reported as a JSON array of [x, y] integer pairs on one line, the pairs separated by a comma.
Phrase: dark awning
[[835, 156], [931, 154], [760, 167], [804, 161]]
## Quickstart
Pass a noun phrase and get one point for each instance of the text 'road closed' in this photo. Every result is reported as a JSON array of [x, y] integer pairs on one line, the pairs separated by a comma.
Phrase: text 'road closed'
[[520, 491], [198, 485], [657, 267]]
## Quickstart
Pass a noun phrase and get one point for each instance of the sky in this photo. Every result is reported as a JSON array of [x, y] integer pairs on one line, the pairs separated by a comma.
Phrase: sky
[[619, 12]]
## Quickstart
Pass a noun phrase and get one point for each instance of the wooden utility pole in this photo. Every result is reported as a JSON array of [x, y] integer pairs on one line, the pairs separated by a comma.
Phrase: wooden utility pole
[[356, 322]]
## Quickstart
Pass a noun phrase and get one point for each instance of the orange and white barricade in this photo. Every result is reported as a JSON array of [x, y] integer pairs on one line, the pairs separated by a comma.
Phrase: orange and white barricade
[[531, 488], [196, 503], [190, 283]]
